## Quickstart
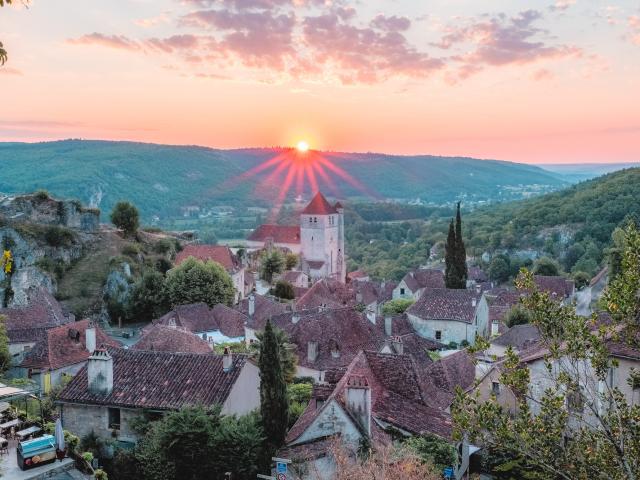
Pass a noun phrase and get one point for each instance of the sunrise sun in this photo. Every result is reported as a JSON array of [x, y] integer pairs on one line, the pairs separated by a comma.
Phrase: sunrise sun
[[302, 146]]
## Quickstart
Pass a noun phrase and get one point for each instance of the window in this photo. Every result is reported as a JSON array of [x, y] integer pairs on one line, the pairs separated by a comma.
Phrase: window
[[438, 335], [495, 388], [402, 291], [114, 418]]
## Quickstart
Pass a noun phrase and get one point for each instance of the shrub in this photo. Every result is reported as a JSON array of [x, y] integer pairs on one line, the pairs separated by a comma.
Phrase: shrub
[[518, 315], [57, 236], [100, 474], [131, 250], [87, 457], [125, 216], [196, 281], [164, 246], [581, 279], [453, 345], [397, 306], [464, 343], [284, 289], [41, 195], [546, 266]]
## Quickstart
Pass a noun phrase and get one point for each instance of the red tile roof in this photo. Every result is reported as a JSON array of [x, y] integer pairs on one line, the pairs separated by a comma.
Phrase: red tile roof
[[159, 380], [424, 278], [520, 337], [56, 348], [265, 308], [327, 292], [217, 253], [162, 338], [24, 324], [319, 206], [199, 318], [277, 233], [396, 397], [554, 284], [440, 379], [446, 304], [292, 276]]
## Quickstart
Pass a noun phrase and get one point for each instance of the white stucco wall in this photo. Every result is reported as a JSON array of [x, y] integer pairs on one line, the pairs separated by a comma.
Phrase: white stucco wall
[[331, 420], [320, 241], [245, 393], [452, 331]]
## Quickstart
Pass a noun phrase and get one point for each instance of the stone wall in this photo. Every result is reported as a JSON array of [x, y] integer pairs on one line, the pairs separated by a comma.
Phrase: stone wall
[[44, 210], [83, 419]]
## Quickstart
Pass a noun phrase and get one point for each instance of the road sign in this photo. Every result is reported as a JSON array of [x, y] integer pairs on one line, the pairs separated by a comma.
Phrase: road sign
[[448, 472], [282, 476], [281, 468]]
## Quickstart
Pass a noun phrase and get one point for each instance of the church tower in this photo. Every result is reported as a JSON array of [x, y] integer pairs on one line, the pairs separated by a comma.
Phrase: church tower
[[322, 239]]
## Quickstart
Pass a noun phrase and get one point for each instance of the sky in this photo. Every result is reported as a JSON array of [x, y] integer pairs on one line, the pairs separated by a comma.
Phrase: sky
[[545, 81]]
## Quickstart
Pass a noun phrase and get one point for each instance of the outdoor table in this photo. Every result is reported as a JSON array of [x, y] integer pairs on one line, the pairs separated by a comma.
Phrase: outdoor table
[[22, 434], [9, 424]]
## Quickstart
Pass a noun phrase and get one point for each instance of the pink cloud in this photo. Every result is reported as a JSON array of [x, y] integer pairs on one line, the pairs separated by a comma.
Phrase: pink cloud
[[634, 25], [502, 40], [364, 54], [392, 23], [112, 41]]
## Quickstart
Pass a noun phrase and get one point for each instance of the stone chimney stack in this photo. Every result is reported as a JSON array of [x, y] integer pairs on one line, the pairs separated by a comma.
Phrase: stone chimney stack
[[227, 360], [474, 301], [388, 325], [312, 351], [371, 316], [358, 400], [252, 304], [90, 337], [478, 288], [397, 344], [358, 297], [495, 328], [100, 372], [295, 317]]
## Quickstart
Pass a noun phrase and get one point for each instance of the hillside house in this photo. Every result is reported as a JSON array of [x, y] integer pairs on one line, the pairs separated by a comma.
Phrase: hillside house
[[413, 283], [118, 385], [373, 393], [219, 324], [257, 309], [518, 337], [25, 325], [447, 315], [164, 338], [296, 278], [60, 352], [222, 255]]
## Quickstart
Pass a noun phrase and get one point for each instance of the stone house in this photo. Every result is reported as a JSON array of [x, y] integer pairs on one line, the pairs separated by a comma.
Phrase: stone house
[[447, 315], [257, 309], [219, 324], [25, 325], [60, 352], [413, 283], [222, 255], [117, 385], [376, 394], [296, 278], [164, 338], [518, 337], [489, 385], [373, 295]]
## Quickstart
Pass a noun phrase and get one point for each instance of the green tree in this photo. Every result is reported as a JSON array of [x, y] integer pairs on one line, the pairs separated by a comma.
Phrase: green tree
[[3, 52], [195, 281], [583, 425], [148, 298], [291, 260], [397, 306], [125, 216], [518, 315], [274, 404], [433, 450], [499, 269], [455, 255], [461, 251], [272, 264], [5, 356], [546, 266], [581, 279], [288, 356], [284, 290]]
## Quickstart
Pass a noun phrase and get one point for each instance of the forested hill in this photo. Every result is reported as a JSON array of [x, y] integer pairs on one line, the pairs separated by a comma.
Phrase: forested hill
[[573, 225], [161, 179]]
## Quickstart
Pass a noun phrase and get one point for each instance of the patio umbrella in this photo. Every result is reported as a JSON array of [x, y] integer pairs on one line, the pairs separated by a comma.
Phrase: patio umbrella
[[59, 434]]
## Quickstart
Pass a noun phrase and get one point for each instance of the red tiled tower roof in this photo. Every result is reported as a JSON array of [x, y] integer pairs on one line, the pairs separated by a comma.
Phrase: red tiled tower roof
[[319, 206]]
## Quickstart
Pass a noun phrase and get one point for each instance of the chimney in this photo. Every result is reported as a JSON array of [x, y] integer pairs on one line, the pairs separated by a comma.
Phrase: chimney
[[494, 328], [295, 317], [397, 344], [90, 337], [227, 360], [100, 372], [478, 288], [252, 304], [358, 297], [312, 351], [388, 325], [371, 316], [359, 400], [474, 302]]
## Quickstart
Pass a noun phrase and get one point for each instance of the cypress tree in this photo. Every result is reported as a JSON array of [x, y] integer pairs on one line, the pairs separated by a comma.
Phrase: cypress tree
[[450, 273], [461, 252], [274, 404]]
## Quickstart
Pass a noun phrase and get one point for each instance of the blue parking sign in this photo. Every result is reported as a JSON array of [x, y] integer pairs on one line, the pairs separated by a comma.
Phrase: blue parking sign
[[448, 472], [281, 467]]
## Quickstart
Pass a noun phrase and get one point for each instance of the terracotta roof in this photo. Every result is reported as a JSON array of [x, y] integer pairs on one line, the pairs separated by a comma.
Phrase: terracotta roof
[[61, 346], [199, 318], [554, 284], [159, 380], [424, 278], [520, 337], [624, 349], [277, 233], [24, 324], [327, 292], [396, 397], [319, 206], [446, 304], [439, 381], [162, 338], [265, 308], [477, 274], [217, 253], [368, 291], [339, 333], [292, 276]]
